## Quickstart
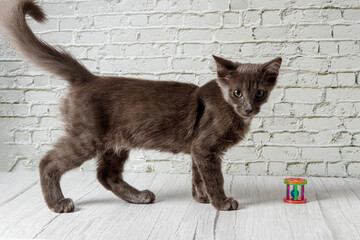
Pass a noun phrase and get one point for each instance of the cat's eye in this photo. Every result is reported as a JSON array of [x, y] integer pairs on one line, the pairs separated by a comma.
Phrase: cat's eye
[[237, 93], [259, 94]]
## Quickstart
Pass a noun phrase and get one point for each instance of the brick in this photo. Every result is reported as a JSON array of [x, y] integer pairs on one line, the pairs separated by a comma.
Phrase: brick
[[261, 137], [77, 23], [50, 123], [156, 34], [307, 80], [321, 154], [295, 169], [350, 153], [303, 95], [231, 19], [138, 20], [351, 14], [153, 65], [322, 15], [277, 168], [354, 169], [236, 168], [22, 137], [7, 82], [348, 47], [252, 18], [312, 31], [238, 34], [310, 63], [292, 15], [346, 109], [11, 95], [352, 123], [344, 63], [280, 123], [316, 169], [174, 20], [192, 49], [91, 38], [14, 110], [271, 18], [123, 35], [321, 123], [156, 19], [326, 80], [219, 4], [342, 94], [180, 166], [198, 5], [238, 5], [270, 32], [57, 37], [192, 64], [205, 20], [211, 48], [309, 48], [257, 168], [40, 97], [90, 7], [44, 110], [194, 35], [266, 3], [328, 48], [336, 169], [346, 31], [241, 154], [279, 153], [41, 137]]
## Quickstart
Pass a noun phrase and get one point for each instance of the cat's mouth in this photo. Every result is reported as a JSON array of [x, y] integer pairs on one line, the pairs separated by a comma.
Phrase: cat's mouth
[[246, 115]]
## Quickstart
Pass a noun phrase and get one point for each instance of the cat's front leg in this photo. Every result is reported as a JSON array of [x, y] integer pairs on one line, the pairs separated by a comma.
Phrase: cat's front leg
[[209, 166], [198, 186]]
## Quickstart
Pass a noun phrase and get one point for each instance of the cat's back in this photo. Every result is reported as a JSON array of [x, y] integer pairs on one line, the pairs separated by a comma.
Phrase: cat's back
[[140, 89]]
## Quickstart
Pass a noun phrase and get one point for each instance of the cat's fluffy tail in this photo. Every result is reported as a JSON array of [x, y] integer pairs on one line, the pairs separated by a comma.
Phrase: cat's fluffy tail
[[59, 62]]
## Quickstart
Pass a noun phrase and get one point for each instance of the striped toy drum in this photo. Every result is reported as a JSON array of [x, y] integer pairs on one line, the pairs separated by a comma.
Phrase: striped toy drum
[[295, 195]]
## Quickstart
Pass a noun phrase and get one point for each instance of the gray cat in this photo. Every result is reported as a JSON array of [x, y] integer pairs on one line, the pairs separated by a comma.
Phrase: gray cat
[[106, 117]]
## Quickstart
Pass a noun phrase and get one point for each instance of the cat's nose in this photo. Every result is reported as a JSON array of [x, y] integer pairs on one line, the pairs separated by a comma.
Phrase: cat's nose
[[249, 110]]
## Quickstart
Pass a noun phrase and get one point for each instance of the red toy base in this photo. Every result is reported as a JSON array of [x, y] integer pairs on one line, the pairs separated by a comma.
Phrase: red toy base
[[294, 201]]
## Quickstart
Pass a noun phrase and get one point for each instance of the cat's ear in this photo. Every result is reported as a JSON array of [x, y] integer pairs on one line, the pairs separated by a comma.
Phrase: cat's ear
[[270, 71], [224, 67]]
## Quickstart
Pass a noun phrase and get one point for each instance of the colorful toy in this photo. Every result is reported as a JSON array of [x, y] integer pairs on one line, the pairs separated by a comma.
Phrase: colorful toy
[[295, 196]]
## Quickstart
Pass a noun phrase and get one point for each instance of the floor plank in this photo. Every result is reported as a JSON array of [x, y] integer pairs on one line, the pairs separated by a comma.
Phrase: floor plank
[[13, 185], [331, 212]]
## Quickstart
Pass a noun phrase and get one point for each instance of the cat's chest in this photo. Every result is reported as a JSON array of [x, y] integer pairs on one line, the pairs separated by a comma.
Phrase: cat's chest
[[233, 135]]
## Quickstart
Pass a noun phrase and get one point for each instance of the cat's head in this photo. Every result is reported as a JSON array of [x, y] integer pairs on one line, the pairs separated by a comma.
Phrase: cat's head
[[247, 86]]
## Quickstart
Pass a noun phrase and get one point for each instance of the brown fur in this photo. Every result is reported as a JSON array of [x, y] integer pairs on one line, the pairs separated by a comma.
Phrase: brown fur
[[106, 117]]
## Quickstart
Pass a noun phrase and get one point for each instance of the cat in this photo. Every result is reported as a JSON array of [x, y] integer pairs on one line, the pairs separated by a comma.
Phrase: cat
[[106, 117]]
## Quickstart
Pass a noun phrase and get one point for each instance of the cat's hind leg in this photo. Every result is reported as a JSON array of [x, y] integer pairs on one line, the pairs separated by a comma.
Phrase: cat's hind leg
[[68, 153], [109, 173], [198, 186]]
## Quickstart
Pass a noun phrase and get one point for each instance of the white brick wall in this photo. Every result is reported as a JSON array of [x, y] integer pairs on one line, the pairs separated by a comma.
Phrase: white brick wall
[[311, 125]]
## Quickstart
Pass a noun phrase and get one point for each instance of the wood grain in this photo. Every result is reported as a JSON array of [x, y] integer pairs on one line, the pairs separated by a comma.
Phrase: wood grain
[[332, 210]]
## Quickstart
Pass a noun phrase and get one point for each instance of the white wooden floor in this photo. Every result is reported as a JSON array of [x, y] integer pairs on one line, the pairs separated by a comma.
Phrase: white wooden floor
[[332, 211]]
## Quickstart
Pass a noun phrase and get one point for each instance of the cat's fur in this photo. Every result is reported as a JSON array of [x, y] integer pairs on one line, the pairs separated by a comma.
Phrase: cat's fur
[[106, 117]]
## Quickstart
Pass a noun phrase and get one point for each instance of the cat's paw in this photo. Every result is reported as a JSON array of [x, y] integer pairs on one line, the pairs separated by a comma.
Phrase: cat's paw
[[64, 205], [226, 205], [145, 196], [201, 197]]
